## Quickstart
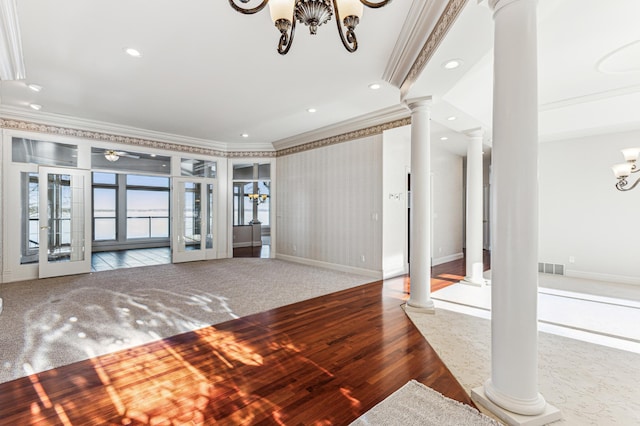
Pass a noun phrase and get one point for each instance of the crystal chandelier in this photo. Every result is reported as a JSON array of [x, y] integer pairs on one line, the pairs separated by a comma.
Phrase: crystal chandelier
[[312, 13], [622, 171]]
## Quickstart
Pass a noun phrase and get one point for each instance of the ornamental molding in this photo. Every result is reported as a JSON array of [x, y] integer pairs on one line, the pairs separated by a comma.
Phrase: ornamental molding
[[345, 137], [446, 20], [30, 126]]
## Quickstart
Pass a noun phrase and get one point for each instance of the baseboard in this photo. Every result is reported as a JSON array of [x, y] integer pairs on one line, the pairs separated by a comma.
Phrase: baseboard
[[622, 279], [394, 272], [444, 259], [334, 266]]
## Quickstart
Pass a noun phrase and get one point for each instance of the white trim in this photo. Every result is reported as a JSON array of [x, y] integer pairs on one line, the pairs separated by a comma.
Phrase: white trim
[[395, 272], [334, 266], [421, 19], [11, 59], [444, 259], [603, 277], [375, 118], [47, 118]]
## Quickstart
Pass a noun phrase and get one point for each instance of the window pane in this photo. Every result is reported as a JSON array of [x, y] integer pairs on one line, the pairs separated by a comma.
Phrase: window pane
[[104, 229], [144, 207], [104, 178], [155, 181], [30, 225], [104, 202], [42, 152], [199, 168], [159, 227], [248, 204], [131, 161]]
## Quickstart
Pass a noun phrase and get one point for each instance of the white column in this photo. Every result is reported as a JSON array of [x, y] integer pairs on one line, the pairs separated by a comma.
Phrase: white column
[[473, 252], [420, 274], [513, 385]]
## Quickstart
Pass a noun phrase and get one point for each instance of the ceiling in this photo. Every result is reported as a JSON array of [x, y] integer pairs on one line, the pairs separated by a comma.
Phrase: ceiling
[[210, 73]]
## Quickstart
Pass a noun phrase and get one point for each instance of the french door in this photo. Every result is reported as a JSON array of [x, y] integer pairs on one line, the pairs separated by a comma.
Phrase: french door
[[193, 226], [64, 221]]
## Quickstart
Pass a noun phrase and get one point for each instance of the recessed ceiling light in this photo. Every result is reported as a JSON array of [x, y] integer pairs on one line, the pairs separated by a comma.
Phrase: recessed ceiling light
[[374, 86], [452, 63], [36, 107], [133, 52], [35, 87], [311, 110], [245, 135], [444, 138], [452, 118], [152, 155]]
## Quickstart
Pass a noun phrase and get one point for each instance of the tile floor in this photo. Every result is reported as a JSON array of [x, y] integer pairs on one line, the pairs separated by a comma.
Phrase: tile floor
[[108, 260]]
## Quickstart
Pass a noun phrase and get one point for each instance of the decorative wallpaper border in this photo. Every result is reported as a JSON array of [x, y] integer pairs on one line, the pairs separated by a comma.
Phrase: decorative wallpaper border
[[446, 20], [345, 137], [107, 137], [147, 143]]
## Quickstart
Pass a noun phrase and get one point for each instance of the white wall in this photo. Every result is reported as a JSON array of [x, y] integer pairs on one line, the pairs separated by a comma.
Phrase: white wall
[[582, 215], [396, 163], [329, 206], [448, 197]]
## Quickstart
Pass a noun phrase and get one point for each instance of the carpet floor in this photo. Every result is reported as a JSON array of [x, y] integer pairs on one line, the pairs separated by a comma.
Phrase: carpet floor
[[414, 404], [57, 321]]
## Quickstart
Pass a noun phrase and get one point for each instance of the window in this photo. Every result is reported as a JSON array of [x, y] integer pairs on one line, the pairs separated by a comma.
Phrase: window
[[129, 208], [198, 168]]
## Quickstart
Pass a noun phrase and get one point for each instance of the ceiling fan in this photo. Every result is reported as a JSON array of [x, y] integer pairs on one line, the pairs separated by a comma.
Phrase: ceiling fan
[[112, 155]]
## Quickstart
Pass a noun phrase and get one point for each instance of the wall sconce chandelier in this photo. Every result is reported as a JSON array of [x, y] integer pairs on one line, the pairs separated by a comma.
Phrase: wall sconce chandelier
[[623, 170], [312, 13]]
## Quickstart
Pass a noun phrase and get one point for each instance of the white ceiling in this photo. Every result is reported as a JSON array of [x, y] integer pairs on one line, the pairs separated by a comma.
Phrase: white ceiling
[[210, 73]]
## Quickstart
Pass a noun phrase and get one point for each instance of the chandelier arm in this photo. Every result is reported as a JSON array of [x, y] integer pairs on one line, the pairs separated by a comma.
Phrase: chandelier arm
[[349, 41], [286, 38], [246, 11], [622, 183], [375, 5]]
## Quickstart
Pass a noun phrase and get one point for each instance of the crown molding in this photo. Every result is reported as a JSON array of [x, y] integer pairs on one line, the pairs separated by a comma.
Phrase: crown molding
[[436, 34], [48, 123], [421, 19], [361, 127], [375, 118], [11, 59]]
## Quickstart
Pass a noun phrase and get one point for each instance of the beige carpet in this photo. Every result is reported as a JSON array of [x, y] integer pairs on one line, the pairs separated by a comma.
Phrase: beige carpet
[[414, 404], [590, 384], [56, 321]]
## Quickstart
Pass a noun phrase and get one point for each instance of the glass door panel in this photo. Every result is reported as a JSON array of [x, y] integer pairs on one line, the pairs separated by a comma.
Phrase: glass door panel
[[64, 219], [193, 224]]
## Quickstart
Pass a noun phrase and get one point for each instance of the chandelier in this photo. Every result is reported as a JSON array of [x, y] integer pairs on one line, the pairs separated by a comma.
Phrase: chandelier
[[258, 198], [312, 13], [623, 170]]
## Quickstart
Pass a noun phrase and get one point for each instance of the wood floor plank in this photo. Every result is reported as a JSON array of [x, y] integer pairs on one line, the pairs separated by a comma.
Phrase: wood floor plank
[[322, 361]]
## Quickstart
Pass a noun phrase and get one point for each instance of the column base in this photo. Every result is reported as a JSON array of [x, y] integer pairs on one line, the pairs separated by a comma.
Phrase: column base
[[475, 282], [427, 309], [550, 413]]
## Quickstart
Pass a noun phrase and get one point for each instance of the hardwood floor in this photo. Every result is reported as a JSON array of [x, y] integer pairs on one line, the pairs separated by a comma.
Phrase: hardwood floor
[[322, 361]]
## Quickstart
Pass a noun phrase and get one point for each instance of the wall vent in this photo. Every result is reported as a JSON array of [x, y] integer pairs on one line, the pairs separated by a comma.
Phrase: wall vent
[[551, 268]]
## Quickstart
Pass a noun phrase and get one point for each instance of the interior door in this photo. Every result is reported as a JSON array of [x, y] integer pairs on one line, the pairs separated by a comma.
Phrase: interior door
[[193, 226], [65, 221]]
